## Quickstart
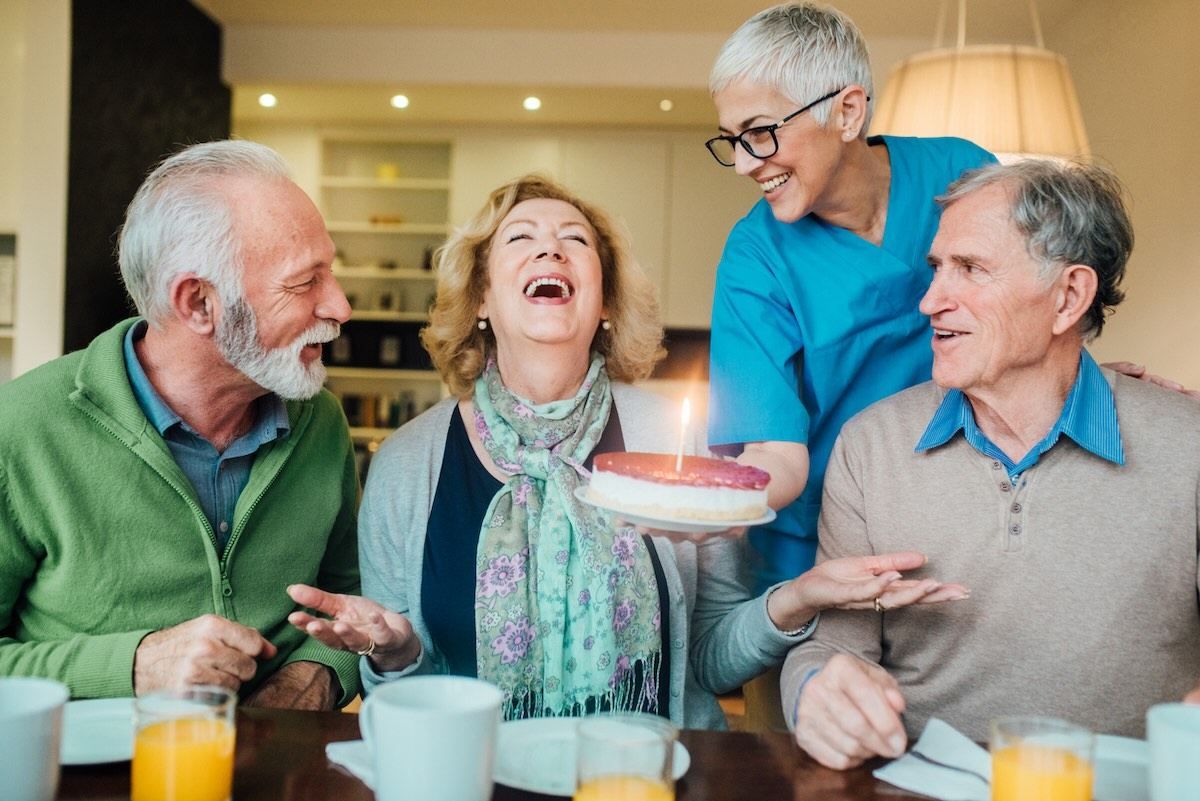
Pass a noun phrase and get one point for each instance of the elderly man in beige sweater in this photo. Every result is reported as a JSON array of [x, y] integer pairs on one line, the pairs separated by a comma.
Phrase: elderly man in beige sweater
[[1063, 495]]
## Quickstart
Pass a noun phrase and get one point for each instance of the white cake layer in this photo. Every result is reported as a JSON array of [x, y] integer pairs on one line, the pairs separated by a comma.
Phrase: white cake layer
[[673, 500]]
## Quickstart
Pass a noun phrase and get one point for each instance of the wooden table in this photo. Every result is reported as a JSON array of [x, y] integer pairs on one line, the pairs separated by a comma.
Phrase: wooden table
[[281, 757]]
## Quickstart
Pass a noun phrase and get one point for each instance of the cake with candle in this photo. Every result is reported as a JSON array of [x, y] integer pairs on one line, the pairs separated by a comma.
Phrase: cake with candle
[[700, 489]]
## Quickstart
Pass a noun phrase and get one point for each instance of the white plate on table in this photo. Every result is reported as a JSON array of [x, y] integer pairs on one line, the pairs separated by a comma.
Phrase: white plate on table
[[683, 525], [1121, 769], [538, 755], [97, 730]]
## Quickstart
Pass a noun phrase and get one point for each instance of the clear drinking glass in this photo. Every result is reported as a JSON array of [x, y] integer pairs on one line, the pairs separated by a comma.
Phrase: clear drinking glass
[[1040, 759], [183, 745], [625, 758]]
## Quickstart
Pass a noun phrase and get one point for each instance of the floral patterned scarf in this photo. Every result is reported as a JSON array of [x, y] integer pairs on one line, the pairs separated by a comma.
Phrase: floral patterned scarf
[[566, 605]]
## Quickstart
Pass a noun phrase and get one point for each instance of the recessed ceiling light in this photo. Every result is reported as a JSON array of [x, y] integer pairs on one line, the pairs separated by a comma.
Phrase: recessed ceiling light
[[532, 103], [666, 105], [267, 100], [399, 101]]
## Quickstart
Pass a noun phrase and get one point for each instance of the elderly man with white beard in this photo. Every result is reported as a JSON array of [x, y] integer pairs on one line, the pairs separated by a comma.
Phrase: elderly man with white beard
[[161, 487]]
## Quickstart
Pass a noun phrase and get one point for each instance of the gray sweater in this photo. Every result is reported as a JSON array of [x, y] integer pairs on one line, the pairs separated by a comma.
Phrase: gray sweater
[[721, 637], [1083, 578]]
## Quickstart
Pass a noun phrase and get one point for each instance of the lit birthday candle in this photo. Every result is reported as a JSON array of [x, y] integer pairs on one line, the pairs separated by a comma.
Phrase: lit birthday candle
[[685, 415]]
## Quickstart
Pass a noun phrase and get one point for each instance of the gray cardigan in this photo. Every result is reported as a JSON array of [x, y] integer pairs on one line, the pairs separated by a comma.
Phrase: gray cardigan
[[721, 636]]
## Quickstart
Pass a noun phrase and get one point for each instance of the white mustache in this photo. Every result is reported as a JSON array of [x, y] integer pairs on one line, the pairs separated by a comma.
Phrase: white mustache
[[320, 333]]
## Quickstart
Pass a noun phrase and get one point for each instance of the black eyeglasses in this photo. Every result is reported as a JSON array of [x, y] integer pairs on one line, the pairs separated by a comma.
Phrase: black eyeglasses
[[760, 142]]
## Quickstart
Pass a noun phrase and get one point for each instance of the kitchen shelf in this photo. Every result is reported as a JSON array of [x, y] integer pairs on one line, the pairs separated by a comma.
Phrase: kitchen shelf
[[390, 316], [379, 273], [363, 434], [390, 303], [383, 374]]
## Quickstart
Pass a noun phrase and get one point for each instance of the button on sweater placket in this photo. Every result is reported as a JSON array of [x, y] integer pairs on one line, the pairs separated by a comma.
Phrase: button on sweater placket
[[1014, 534]]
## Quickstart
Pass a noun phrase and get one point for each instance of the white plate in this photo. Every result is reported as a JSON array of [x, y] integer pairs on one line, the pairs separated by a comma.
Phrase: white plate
[[538, 755], [683, 525], [1122, 769], [97, 730]]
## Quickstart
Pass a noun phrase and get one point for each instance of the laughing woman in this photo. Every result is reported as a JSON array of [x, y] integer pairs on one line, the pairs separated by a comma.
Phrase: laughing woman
[[476, 557]]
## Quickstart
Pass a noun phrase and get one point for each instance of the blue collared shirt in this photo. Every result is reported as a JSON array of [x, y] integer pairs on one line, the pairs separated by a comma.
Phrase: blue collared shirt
[[218, 478], [1089, 418]]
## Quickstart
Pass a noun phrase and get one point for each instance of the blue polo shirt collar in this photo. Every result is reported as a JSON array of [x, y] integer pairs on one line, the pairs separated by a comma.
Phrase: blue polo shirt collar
[[271, 422], [1089, 418]]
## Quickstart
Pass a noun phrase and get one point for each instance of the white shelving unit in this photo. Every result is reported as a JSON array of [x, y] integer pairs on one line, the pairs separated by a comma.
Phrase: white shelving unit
[[377, 294], [387, 203]]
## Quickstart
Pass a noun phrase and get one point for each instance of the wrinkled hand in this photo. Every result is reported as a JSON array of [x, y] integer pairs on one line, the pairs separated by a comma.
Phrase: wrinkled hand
[[206, 650], [1193, 697], [298, 685], [1134, 370], [854, 582], [356, 623], [850, 712]]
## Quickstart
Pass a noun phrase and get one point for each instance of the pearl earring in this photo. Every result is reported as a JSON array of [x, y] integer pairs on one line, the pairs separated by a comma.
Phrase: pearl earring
[[482, 324], [606, 325]]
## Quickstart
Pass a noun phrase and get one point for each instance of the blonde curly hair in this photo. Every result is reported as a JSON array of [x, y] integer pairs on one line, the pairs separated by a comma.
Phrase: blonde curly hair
[[631, 347]]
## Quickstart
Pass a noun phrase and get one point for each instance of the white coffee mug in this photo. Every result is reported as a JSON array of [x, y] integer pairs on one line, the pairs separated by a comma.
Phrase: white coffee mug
[[30, 737], [432, 738], [1174, 734]]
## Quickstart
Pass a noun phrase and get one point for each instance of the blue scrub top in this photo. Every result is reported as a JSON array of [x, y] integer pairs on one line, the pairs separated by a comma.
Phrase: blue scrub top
[[811, 324]]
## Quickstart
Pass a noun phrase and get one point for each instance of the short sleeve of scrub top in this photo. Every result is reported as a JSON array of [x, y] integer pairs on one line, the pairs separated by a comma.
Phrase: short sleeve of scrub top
[[811, 324]]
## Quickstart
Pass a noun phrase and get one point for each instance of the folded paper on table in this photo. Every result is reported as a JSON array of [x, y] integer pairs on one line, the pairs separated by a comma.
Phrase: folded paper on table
[[942, 742]]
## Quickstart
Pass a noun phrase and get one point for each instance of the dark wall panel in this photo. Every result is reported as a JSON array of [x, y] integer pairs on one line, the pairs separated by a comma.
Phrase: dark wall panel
[[145, 79]]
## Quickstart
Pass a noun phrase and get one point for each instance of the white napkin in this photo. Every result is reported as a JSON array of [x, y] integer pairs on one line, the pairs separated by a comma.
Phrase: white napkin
[[354, 756], [942, 743]]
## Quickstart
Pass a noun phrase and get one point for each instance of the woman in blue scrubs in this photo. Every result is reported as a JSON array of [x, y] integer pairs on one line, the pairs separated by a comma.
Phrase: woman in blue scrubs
[[815, 315]]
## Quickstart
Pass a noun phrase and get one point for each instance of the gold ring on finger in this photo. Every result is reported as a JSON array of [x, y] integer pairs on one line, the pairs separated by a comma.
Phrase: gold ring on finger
[[370, 649], [879, 607]]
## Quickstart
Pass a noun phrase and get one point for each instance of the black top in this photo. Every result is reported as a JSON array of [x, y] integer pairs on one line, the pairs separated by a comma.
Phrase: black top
[[464, 492]]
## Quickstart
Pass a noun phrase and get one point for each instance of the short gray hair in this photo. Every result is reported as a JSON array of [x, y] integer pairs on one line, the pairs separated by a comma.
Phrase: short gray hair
[[802, 51], [1069, 213], [180, 221]]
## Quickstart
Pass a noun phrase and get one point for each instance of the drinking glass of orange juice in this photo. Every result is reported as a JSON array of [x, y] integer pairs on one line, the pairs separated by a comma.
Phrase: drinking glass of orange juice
[[1040, 759], [183, 745], [625, 758]]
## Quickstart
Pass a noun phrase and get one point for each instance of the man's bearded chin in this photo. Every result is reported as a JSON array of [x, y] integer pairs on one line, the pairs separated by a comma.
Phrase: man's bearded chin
[[278, 370]]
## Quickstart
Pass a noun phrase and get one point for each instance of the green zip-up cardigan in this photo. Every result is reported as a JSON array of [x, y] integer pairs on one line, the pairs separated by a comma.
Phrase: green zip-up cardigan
[[102, 540]]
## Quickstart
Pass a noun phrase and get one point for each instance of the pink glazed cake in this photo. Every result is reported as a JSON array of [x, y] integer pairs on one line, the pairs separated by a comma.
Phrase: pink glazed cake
[[705, 489]]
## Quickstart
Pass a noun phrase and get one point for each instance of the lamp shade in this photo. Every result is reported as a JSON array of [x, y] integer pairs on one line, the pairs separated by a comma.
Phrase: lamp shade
[[1013, 100]]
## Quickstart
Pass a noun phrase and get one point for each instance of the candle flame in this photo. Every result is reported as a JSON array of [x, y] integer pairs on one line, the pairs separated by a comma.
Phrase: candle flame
[[684, 415]]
